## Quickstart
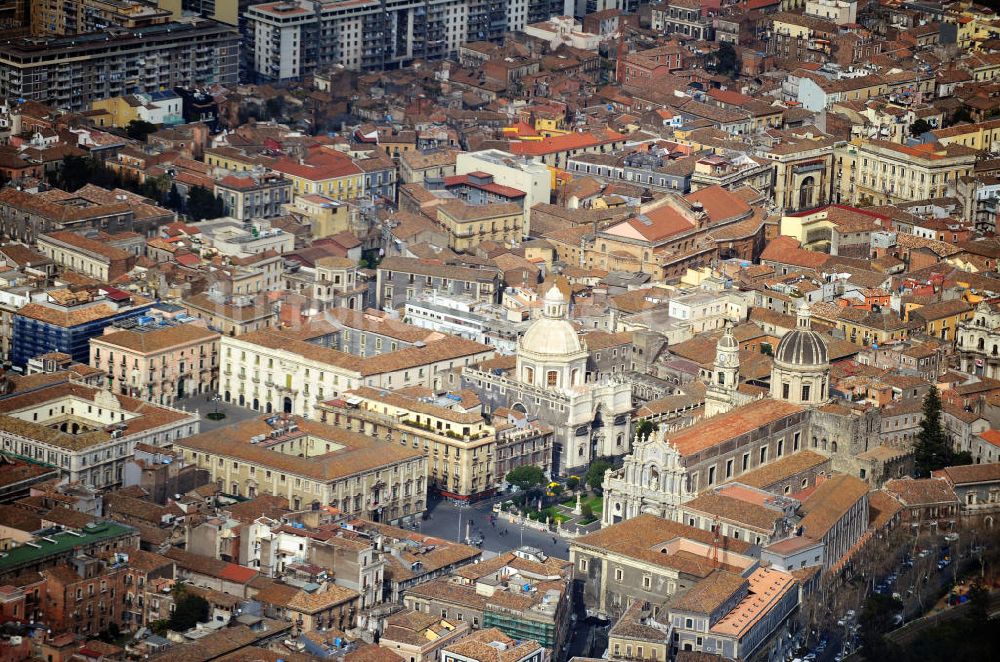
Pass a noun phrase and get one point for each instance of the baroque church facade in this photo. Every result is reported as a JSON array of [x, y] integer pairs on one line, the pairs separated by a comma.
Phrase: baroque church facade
[[739, 433], [550, 381]]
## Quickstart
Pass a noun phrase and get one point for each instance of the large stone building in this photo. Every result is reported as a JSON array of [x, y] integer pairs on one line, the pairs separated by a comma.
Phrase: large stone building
[[159, 361], [292, 371], [649, 559], [671, 466], [312, 464], [552, 380], [88, 433], [459, 444], [877, 172]]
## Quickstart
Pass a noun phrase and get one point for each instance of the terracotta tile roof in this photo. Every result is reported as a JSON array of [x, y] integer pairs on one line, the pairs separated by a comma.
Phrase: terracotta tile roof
[[830, 502], [23, 256], [968, 474], [732, 424], [631, 626], [921, 491], [157, 340], [942, 309], [719, 203], [787, 250], [372, 653], [265, 505], [706, 596], [446, 348], [642, 538], [210, 567], [569, 141], [148, 415], [75, 316], [358, 453], [319, 166], [481, 646], [20, 518], [766, 589], [751, 515], [329, 596], [81, 242], [882, 507]]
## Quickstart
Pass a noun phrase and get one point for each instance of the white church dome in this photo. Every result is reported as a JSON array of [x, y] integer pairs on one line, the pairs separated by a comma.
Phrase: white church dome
[[552, 334]]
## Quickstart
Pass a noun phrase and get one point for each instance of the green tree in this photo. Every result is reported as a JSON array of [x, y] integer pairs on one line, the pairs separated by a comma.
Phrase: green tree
[[645, 428], [727, 60], [526, 477], [556, 489], [139, 130], [203, 204], [587, 511], [74, 172], [595, 473], [963, 114], [174, 200], [275, 107], [875, 620], [932, 450], [189, 610], [920, 127], [572, 483]]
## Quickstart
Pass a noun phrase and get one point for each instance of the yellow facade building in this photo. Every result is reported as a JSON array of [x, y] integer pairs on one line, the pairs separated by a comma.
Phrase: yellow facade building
[[470, 225], [460, 446]]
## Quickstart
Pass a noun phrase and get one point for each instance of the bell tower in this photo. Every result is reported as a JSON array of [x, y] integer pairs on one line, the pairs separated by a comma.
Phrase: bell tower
[[720, 395]]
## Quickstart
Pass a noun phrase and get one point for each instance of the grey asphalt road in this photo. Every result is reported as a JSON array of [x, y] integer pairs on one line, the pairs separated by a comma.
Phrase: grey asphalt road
[[234, 413], [445, 520]]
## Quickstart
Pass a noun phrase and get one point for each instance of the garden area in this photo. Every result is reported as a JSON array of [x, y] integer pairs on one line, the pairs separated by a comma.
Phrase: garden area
[[556, 502]]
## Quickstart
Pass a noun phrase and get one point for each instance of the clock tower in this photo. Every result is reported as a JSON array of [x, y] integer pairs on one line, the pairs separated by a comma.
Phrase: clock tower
[[720, 396]]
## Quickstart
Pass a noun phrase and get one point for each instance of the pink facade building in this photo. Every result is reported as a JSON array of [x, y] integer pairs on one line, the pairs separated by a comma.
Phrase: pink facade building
[[158, 362]]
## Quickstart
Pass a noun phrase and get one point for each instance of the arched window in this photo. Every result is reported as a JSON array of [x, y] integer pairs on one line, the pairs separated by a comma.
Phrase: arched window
[[575, 377], [833, 446], [529, 375], [982, 344], [552, 378]]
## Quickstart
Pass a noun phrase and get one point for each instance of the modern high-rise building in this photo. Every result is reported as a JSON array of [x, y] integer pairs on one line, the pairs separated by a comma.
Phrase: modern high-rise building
[[289, 39], [66, 17], [71, 71], [14, 14]]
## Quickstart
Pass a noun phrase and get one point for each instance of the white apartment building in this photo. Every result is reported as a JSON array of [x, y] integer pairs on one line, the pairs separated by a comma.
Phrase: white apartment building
[[522, 173], [293, 371], [293, 38]]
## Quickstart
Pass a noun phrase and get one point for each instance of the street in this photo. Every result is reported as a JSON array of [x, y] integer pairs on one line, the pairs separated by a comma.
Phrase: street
[[443, 522], [202, 402]]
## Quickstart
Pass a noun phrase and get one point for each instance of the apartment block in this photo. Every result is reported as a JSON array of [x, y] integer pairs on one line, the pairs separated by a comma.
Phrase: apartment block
[[72, 71], [158, 361], [69, 17]]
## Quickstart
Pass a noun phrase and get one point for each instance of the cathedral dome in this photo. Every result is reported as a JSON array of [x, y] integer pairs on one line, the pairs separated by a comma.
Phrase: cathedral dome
[[552, 334], [802, 346]]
